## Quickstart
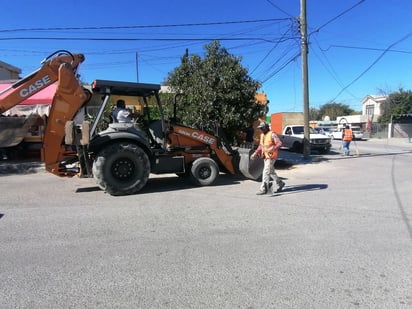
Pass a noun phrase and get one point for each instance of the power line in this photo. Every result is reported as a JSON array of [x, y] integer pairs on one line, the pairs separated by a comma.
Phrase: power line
[[338, 16], [373, 63], [145, 26], [143, 39], [268, 53], [277, 7], [329, 68], [296, 56], [366, 48]]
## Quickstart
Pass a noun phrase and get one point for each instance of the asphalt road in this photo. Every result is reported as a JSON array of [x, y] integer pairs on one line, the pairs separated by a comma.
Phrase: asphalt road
[[339, 236]]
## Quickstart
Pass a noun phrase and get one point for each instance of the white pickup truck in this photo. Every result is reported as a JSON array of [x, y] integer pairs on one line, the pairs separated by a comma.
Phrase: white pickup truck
[[292, 139]]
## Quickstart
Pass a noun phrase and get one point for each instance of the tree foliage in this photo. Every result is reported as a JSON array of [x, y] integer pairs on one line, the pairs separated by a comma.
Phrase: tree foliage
[[314, 114], [215, 89], [333, 110], [398, 103]]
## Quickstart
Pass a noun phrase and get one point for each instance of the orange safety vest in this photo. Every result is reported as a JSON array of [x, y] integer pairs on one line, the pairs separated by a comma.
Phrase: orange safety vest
[[347, 135], [269, 149]]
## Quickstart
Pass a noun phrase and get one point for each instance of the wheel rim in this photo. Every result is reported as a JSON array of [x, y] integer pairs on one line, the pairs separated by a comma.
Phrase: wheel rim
[[123, 169], [204, 173]]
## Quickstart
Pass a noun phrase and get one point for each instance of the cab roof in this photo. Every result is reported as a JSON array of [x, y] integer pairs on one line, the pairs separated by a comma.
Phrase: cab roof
[[124, 88]]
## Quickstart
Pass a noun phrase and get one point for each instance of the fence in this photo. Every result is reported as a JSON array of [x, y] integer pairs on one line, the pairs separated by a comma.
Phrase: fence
[[398, 130]]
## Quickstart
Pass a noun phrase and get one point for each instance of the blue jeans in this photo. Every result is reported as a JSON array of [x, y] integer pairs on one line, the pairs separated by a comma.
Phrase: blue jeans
[[345, 147]]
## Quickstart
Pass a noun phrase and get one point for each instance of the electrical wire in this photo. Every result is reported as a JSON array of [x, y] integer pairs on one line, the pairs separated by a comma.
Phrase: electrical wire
[[373, 63], [329, 68], [337, 17], [366, 48], [277, 7], [296, 56], [270, 51], [139, 39], [143, 26]]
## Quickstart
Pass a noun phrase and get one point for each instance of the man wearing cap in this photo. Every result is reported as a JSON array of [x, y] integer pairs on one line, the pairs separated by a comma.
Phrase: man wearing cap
[[268, 150]]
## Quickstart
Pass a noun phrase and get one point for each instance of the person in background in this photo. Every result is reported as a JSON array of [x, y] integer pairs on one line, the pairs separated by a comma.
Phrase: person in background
[[121, 114], [347, 137], [268, 150]]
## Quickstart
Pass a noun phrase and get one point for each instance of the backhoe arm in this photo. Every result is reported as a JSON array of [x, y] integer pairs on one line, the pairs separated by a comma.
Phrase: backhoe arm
[[40, 79], [182, 135], [70, 96]]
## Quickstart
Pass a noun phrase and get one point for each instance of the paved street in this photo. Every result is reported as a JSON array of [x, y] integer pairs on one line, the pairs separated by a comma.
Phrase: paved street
[[339, 236]]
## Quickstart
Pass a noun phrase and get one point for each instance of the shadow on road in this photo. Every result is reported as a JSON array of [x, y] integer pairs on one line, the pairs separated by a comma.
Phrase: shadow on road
[[301, 188], [170, 183], [167, 184], [88, 189]]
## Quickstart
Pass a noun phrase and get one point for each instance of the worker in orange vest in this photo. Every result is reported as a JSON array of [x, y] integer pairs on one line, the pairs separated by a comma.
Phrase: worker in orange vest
[[268, 150], [347, 137]]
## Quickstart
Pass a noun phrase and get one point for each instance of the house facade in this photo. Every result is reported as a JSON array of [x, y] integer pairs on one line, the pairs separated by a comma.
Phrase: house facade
[[372, 107], [9, 72]]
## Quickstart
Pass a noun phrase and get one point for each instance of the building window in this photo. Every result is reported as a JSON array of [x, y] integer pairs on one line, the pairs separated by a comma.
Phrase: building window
[[370, 109]]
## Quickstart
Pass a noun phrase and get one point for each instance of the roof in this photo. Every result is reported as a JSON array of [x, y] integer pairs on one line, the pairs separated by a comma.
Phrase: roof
[[375, 98], [10, 67], [124, 88]]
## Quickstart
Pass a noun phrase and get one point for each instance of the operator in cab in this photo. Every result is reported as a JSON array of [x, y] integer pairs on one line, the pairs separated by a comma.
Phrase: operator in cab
[[121, 114]]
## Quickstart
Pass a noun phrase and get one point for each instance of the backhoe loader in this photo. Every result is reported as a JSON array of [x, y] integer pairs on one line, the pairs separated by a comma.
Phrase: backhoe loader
[[122, 156]]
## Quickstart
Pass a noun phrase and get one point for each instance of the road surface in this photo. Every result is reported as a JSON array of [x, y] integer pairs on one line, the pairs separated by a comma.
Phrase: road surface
[[338, 236]]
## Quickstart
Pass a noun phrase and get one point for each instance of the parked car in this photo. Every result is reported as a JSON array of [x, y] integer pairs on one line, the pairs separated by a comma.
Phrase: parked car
[[357, 133], [293, 135], [337, 134], [324, 131]]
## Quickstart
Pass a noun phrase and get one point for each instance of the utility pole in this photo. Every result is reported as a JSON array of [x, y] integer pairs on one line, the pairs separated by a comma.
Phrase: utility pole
[[137, 66], [305, 82]]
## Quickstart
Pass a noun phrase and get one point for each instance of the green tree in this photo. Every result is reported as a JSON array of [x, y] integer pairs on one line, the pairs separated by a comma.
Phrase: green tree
[[314, 114], [216, 89], [334, 110], [398, 103]]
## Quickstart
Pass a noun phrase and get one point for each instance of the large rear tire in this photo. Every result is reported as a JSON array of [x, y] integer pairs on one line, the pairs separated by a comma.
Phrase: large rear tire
[[204, 172], [121, 168]]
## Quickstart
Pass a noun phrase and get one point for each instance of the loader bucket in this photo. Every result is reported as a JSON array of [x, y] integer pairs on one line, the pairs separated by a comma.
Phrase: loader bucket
[[251, 169]]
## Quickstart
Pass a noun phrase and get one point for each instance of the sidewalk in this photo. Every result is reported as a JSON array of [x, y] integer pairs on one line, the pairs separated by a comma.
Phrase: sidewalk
[[404, 142]]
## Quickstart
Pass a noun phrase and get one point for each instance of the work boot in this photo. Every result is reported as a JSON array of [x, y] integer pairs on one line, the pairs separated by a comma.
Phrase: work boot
[[264, 191], [281, 184]]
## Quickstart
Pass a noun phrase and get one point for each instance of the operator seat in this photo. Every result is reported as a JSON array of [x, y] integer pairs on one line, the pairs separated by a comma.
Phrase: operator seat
[[156, 131]]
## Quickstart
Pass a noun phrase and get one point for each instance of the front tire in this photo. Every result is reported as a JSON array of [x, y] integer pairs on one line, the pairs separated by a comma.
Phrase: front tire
[[204, 172], [297, 147], [324, 151], [121, 168]]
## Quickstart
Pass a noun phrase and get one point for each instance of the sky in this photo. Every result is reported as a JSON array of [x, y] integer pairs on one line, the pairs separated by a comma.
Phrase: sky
[[356, 47]]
